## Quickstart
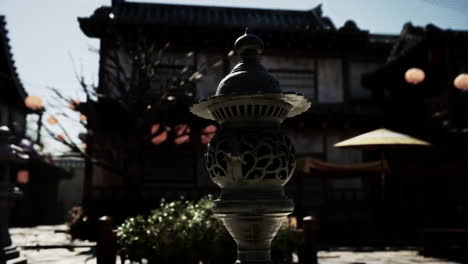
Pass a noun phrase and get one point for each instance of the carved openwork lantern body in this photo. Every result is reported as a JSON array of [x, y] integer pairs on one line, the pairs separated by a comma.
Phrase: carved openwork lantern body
[[250, 158]]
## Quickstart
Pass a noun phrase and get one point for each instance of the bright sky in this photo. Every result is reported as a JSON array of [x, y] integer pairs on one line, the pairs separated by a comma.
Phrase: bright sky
[[46, 39]]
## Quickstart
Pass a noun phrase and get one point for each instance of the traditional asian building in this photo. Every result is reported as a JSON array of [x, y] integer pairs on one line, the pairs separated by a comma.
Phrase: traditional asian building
[[38, 177], [13, 123], [304, 50]]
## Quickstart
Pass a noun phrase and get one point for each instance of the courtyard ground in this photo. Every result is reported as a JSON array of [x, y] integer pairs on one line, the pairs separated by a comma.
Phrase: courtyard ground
[[52, 245]]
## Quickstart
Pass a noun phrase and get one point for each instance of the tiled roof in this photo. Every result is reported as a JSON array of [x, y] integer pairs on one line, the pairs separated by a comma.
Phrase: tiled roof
[[7, 57], [190, 15]]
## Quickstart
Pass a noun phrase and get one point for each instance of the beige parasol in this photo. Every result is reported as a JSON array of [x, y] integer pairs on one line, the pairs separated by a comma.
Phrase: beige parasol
[[381, 139]]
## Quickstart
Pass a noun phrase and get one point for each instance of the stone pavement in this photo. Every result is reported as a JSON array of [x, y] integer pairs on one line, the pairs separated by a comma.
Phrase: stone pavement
[[376, 257], [51, 245]]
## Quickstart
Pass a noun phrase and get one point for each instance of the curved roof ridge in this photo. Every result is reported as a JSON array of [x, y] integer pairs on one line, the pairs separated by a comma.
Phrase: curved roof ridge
[[202, 15], [7, 54]]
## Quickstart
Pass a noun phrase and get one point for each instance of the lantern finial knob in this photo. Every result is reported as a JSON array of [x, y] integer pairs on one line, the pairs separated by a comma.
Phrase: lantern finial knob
[[248, 45]]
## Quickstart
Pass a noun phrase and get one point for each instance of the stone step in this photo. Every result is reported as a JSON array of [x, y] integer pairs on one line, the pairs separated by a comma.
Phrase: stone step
[[19, 260], [12, 256]]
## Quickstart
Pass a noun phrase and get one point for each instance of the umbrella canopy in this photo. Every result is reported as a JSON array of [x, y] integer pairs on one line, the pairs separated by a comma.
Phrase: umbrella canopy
[[381, 138]]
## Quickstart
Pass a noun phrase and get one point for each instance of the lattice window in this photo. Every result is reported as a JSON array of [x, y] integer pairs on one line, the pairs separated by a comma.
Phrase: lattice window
[[297, 81]]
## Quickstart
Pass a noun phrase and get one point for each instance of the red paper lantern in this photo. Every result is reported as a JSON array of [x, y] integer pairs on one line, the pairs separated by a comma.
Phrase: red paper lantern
[[22, 177]]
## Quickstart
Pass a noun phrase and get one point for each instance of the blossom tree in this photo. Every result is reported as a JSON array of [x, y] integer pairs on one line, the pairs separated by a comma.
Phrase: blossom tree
[[136, 96]]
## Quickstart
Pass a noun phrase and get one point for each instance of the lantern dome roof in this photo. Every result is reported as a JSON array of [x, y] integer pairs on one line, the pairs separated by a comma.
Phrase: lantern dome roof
[[249, 94], [249, 76]]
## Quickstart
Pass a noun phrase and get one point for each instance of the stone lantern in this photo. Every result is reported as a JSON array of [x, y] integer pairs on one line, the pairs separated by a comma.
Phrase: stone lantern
[[250, 158], [8, 193]]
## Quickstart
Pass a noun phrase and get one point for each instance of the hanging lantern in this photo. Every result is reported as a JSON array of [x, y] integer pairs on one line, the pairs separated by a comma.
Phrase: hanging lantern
[[22, 177], [52, 120], [34, 102], [461, 82], [414, 76]]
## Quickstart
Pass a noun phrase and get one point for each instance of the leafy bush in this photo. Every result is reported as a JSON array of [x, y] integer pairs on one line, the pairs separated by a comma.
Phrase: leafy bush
[[187, 232]]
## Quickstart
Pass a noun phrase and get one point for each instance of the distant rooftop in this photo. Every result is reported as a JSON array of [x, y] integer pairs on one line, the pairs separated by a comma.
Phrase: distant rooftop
[[214, 16], [418, 47]]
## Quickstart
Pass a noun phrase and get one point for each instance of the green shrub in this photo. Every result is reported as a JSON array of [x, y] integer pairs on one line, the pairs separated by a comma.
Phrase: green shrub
[[186, 232]]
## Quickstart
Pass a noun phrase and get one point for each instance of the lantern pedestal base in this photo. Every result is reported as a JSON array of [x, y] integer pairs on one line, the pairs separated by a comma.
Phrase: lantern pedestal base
[[253, 224]]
